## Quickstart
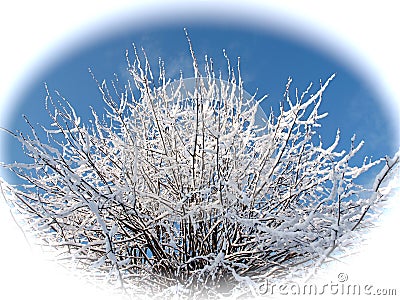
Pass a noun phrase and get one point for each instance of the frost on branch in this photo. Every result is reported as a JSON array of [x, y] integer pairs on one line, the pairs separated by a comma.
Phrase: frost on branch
[[184, 187]]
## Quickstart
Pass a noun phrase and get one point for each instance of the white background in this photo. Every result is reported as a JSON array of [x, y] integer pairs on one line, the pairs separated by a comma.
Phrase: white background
[[33, 33]]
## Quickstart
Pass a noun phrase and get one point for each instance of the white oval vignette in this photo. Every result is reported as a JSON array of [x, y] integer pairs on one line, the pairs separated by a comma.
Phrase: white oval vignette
[[34, 31]]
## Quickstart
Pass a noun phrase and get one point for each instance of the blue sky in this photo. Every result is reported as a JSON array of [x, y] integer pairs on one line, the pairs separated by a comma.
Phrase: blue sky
[[267, 60]]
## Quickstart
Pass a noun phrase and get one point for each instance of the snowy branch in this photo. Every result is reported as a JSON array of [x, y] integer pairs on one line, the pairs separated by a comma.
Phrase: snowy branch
[[183, 184]]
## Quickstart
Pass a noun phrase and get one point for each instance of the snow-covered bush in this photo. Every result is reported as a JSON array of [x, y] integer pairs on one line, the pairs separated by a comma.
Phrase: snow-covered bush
[[187, 188]]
